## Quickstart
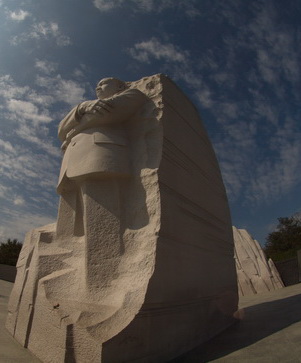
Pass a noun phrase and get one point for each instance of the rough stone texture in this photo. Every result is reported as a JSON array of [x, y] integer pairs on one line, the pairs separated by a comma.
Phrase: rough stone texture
[[161, 279], [255, 274]]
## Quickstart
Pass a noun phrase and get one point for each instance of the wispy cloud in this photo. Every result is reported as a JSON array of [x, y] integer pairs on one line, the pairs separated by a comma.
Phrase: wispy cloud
[[45, 66], [28, 167], [28, 111], [204, 95], [50, 89], [277, 55], [68, 91], [18, 15], [19, 200], [3, 190], [29, 155], [187, 6], [105, 5], [6, 146], [153, 48], [9, 89], [41, 31]]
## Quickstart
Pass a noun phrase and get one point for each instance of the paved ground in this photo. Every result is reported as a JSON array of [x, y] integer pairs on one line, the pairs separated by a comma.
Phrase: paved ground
[[269, 332]]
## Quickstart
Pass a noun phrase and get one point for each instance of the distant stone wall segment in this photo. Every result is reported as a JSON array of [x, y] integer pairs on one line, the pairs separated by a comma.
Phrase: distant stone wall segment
[[255, 273], [139, 266], [8, 273]]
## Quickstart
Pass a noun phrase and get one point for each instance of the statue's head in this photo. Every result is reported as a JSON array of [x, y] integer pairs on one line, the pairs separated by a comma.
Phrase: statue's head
[[107, 87]]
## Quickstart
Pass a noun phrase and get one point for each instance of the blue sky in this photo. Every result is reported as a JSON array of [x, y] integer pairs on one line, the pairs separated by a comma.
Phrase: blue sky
[[237, 60]]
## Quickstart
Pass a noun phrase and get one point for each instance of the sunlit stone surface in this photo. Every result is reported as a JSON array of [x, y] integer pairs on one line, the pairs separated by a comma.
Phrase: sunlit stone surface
[[139, 266], [255, 273]]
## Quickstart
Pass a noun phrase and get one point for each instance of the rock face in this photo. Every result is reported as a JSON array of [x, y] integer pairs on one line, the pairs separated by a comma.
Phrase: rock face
[[255, 274], [153, 275]]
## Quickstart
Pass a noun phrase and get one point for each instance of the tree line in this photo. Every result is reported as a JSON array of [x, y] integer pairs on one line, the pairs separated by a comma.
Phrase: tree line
[[9, 252], [285, 241]]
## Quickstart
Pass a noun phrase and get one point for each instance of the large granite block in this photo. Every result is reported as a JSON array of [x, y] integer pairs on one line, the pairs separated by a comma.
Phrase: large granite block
[[140, 264], [255, 273]]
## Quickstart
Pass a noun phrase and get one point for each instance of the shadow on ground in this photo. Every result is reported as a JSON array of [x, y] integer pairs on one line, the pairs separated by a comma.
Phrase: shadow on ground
[[257, 322]]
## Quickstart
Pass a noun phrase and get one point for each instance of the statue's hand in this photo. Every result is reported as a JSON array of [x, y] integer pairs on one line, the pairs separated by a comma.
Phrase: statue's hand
[[97, 106]]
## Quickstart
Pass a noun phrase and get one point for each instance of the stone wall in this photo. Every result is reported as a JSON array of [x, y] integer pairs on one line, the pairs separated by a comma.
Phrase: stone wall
[[289, 271], [255, 274], [8, 273]]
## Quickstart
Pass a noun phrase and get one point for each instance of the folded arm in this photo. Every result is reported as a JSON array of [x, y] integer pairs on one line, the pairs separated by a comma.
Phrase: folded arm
[[109, 111]]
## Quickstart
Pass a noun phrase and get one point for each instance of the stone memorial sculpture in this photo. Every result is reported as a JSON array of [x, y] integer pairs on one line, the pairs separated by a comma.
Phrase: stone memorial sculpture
[[255, 273], [139, 265]]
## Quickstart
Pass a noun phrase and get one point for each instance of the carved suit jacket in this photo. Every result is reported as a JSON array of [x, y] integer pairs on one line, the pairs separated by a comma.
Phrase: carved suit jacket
[[98, 146]]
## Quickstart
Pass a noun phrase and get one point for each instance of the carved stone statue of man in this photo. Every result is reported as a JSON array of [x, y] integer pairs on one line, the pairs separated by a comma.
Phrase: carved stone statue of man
[[93, 133], [143, 242], [96, 158]]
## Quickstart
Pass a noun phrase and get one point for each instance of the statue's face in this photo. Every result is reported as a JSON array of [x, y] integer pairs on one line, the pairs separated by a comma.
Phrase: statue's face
[[107, 87]]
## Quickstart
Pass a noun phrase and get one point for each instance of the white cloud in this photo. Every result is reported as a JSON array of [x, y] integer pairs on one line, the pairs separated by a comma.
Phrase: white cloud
[[267, 67], [32, 135], [260, 174], [26, 110], [43, 30], [153, 48], [25, 103], [44, 99], [106, 5], [205, 97], [29, 167], [277, 55], [223, 78], [46, 66], [78, 73], [19, 200], [9, 89], [3, 191], [267, 111], [67, 91], [6, 146], [18, 15], [187, 6]]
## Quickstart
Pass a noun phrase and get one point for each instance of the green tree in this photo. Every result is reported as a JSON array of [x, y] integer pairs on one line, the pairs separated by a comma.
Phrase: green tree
[[286, 240], [9, 252]]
